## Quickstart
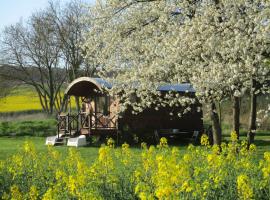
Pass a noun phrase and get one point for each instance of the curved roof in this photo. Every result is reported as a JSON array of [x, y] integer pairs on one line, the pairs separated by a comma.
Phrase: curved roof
[[85, 86]]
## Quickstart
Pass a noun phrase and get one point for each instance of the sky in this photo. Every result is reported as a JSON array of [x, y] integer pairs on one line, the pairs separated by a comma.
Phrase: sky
[[12, 11]]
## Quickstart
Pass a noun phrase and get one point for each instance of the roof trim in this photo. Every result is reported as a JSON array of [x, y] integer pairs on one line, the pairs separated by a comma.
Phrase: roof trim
[[98, 82]]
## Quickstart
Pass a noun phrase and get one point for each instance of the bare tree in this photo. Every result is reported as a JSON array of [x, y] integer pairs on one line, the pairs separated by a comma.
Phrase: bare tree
[[69, 27], [33, 53]]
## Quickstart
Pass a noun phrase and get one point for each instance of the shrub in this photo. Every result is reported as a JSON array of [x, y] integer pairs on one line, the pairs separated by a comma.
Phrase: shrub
[[31, 128]]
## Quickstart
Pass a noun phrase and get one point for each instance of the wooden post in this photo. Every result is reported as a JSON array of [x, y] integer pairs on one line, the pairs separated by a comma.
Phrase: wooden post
[[58, 118], [95, 102], [69, 124]]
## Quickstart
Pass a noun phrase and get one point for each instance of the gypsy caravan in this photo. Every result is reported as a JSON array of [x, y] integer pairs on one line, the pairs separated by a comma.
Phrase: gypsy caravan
[[99, 115]]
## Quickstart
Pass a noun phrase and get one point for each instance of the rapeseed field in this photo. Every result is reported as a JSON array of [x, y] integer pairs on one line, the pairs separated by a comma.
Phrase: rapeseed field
[[20, 99], [229, 171], [23, 99]]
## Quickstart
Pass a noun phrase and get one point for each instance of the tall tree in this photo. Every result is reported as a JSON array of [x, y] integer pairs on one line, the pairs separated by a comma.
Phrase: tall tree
[[69, 27]]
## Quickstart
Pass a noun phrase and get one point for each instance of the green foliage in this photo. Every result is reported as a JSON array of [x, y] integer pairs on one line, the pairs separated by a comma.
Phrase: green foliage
[[30, 128]]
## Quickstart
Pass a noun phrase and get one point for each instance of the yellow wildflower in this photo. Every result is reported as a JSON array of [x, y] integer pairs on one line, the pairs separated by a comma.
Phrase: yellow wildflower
[[252, 148], [48, 195], [71, 184], [266, 156], [33, 193], [204, 140], [244, 188], [163, 142], [110, 143], [234, 136], [15, 193], [186, 187], [143, 145]]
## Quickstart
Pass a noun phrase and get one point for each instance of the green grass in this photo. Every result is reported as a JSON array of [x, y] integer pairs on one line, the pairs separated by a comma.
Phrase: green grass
[[12, 145]]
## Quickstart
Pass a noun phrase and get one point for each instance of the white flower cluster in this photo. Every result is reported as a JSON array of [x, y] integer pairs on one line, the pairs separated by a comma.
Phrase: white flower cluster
[[217, 47]]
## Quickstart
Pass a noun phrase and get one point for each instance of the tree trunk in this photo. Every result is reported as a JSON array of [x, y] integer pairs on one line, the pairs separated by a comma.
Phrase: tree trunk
[[253, 114], [216, 124], [236, 115], [220, 113]]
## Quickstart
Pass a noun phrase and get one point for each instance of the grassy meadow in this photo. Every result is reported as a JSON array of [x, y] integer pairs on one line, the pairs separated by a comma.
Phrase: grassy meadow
[[12, 144]]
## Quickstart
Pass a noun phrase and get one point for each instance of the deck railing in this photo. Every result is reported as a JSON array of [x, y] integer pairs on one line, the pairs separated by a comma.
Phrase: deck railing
[[72, 123]]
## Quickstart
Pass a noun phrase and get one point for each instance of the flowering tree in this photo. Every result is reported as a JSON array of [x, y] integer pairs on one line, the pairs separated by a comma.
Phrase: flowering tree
[[228, 42], [218, 46]]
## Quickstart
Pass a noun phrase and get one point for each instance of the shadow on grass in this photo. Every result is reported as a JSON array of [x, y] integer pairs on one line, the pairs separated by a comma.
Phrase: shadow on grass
[[262, 142]]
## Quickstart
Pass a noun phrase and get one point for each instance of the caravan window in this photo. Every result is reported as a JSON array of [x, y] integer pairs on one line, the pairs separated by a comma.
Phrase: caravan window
[[102, 105]]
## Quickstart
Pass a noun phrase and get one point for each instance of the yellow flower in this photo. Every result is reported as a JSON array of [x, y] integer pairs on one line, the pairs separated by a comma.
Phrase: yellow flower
[[103, 152], [266, 156], [186, 187], [143, 145], [33, 193], [252, 148], [175, 151], [163, 142], [143, 196], [59, 174], [204, 140], [210, 158], [137, 174], [110, 143], [15, 193], [234, 137], [216, 149], [48, 195], [71, 184], [164, 192], [244, 188], [266, 172], [125, 146]]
